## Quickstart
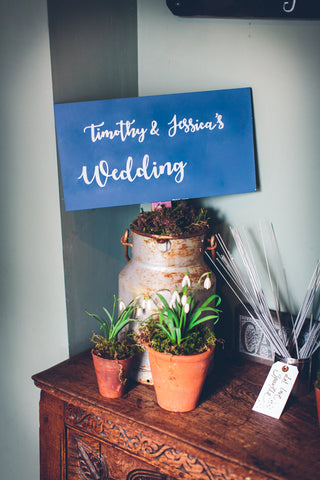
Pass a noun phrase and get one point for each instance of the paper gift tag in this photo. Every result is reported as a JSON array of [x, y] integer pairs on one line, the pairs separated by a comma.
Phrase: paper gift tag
[[276, 389]]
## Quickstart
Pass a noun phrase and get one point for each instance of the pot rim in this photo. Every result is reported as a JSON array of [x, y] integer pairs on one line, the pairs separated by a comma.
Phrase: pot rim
[[117, 360], [163, 238], [182, 358]]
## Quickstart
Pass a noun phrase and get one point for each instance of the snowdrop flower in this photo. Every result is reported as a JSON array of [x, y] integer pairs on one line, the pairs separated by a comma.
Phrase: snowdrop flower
[[184, 300], [174, 299], [207, 283], [139, 312], [121, 306], [143, 303], [187, 308], [186, 281]]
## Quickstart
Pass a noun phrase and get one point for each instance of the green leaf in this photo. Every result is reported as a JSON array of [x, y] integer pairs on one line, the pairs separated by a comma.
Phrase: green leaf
[[202, 320], [164, 301], [168, 333]]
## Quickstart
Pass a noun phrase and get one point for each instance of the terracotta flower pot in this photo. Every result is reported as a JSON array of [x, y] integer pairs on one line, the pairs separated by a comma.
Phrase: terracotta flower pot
[[111, 375], [178, 379], [317, 391]]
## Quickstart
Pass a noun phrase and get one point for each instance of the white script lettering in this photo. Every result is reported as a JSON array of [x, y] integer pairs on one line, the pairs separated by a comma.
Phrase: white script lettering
[[103, 172], [189, 125], [125, 130], [288, 9]]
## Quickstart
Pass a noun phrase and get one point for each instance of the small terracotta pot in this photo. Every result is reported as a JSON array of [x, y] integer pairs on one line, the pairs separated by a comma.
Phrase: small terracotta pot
[[178, 379], [317, 392], [111, 375]]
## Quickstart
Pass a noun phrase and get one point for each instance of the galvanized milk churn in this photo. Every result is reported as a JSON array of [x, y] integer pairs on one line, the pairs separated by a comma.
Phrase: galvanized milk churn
[[160, 262]]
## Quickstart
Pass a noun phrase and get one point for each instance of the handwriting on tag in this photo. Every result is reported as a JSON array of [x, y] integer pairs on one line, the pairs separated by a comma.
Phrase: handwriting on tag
[[276, 389]]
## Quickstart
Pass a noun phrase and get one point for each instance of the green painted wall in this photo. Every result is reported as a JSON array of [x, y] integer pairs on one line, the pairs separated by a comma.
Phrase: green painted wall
[[33, 320]]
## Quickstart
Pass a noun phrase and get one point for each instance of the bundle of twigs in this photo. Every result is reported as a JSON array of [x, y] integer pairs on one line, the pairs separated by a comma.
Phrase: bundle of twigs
[[245, 283]]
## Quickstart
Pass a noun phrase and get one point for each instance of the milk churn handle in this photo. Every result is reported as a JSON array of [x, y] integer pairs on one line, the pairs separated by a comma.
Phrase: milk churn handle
[[213, 246], [124, 241]]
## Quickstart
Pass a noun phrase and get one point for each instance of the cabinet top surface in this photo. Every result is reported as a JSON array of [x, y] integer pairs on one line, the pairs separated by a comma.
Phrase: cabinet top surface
[[223, 424]]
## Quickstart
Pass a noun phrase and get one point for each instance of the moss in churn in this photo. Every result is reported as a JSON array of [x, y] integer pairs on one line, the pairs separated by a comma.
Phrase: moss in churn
[[180, 219]]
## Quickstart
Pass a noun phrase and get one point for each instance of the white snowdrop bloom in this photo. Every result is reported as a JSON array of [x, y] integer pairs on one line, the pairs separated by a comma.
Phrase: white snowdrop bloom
[[174, 299], [186, 281], [184, 299], [143, 303], [121, 306], [207, 283], [149, 304], [139, 312], [187, 308]]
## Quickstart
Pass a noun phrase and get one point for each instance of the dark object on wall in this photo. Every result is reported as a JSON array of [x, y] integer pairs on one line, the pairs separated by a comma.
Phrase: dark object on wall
[[273, 9]]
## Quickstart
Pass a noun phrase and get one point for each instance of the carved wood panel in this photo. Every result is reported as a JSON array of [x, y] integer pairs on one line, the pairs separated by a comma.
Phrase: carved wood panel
[[89, 459], [162, 455]]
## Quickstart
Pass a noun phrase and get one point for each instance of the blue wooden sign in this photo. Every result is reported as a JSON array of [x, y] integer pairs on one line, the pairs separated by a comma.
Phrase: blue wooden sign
[[149, 149]]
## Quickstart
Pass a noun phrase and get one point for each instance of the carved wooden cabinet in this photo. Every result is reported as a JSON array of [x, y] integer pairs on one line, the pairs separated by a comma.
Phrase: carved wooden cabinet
[[84, 436]]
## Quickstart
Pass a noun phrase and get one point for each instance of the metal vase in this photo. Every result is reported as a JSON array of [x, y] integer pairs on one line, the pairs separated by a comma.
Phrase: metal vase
[[160, 262], [302, 384]]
